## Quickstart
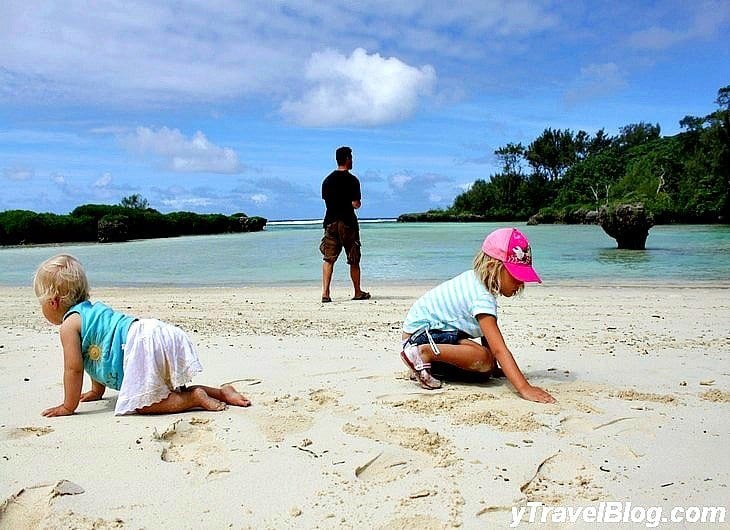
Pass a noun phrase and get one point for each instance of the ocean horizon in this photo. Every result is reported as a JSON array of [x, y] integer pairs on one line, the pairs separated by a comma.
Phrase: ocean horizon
[[287, 252]]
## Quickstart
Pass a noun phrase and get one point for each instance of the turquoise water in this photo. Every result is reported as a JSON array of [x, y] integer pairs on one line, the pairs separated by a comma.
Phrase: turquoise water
[[392, 252]]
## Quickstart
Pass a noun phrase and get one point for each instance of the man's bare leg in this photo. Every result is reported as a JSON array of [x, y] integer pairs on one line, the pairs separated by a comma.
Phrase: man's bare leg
[[327, 270], [355, 277]]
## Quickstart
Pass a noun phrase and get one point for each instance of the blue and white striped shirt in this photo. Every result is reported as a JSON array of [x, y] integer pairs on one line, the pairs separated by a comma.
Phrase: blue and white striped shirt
[[452, 306]]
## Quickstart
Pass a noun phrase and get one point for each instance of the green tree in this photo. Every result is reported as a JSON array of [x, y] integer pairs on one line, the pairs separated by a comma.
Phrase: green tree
[[135, 201], [511, 157], [723, 97], [599, 142], [552, 153], [562, 175], [636, 134]]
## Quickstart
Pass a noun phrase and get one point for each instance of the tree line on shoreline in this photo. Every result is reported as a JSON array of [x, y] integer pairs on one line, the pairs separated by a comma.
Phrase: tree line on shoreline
[[567, 177], [131, 219]]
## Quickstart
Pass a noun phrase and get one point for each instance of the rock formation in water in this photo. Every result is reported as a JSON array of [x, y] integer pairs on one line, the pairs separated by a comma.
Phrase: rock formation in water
[[628, 224]]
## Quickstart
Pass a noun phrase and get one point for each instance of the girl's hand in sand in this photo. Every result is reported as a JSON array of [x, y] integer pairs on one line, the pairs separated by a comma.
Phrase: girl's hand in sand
[[535, 393], [56, 411], [91, 395]]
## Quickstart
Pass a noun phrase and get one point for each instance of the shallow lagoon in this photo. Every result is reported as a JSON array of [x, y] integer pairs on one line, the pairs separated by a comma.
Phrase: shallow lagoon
[[392, 252]]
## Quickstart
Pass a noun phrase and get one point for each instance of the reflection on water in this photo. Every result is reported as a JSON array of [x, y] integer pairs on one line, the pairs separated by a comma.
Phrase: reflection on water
[[623, 257]]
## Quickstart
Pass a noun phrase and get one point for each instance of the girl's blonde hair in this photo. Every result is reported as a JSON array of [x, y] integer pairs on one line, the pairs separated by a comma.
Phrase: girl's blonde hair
[[489, 271], [61, 276]]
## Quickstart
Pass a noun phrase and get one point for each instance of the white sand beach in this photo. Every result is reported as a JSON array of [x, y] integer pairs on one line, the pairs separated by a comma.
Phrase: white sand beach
[[338, 437]]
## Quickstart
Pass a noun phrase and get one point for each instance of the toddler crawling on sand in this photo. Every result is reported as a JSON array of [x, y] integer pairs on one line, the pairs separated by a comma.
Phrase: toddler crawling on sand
[[148, 361]]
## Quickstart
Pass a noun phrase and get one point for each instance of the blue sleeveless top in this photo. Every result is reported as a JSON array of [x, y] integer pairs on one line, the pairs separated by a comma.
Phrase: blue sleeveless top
[[103, 335]]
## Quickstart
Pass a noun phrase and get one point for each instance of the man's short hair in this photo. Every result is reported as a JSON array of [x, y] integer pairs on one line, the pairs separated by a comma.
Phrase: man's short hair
[[343, 154]]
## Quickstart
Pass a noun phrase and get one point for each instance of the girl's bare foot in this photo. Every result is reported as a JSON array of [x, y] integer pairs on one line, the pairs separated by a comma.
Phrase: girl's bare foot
[[203, 400], [234, 397]]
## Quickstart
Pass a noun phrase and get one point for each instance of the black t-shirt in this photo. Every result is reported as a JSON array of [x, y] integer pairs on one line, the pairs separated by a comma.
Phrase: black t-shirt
[[339, 189]]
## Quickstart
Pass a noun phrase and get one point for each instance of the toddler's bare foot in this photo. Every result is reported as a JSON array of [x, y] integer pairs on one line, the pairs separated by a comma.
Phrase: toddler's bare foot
[[234, 397], [203, 400]]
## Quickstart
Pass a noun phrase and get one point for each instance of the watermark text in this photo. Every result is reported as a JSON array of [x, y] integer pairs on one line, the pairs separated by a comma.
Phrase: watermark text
[[616, 512]]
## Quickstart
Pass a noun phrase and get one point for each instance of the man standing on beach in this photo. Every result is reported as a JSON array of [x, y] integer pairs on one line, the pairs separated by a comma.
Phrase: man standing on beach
[[341, 194]]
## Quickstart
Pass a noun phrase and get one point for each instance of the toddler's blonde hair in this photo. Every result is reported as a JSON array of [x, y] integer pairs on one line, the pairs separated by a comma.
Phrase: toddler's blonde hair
[[489, 270], [61, 276]]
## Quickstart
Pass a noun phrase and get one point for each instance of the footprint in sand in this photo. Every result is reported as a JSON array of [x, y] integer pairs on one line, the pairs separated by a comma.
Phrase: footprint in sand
[[633, 395], [414, 522], [193, 441], [609, 426], [562, 478], [287, 414], [28, 508], [27, 432], [472, 408], [416, 439], [323, 398], [32, 507], [716, 396], [391, 464]]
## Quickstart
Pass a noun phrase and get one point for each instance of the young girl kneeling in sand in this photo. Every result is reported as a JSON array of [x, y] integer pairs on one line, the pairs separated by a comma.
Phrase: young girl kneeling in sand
[[148, 361], [439, 326]]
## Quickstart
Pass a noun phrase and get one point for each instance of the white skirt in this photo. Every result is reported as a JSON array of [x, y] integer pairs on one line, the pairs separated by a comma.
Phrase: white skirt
[[158, 359]]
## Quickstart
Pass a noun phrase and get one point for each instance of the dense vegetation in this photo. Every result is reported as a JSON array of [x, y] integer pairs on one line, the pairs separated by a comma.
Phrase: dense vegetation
[[131, 219], [564, 176]]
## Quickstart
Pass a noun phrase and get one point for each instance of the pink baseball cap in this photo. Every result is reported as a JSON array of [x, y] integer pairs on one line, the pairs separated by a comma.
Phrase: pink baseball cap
[[511, 247]]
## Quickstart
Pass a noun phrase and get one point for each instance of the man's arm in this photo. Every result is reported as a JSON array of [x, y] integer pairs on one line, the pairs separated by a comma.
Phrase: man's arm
[[356, 196]]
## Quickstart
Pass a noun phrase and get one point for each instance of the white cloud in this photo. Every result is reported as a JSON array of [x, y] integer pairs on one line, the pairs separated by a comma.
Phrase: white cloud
[[104, 181], [77, 190], [249, 196], [109, 129], [180, 154], [221, 51], [707, 20], [361, 89], [656, 38], [596, 80], [187, 202], [18, 173], [400, 180], [424, 186]]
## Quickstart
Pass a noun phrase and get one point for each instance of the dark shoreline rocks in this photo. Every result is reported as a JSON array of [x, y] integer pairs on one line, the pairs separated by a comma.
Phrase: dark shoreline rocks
[[581, 216]]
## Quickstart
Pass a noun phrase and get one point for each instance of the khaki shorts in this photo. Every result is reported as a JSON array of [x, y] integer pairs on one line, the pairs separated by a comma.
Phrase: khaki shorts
[[337, 236]]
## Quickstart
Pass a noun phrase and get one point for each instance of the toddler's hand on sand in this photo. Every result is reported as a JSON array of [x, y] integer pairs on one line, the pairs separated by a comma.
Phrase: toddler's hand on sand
[[91, 396], [535, 393], [56, 411]]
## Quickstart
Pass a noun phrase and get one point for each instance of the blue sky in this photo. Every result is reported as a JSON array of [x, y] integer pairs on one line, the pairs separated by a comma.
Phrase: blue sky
[[228, 106]]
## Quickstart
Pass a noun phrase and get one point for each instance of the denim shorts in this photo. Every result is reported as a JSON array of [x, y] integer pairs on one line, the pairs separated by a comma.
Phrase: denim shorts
[[439, 337]]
